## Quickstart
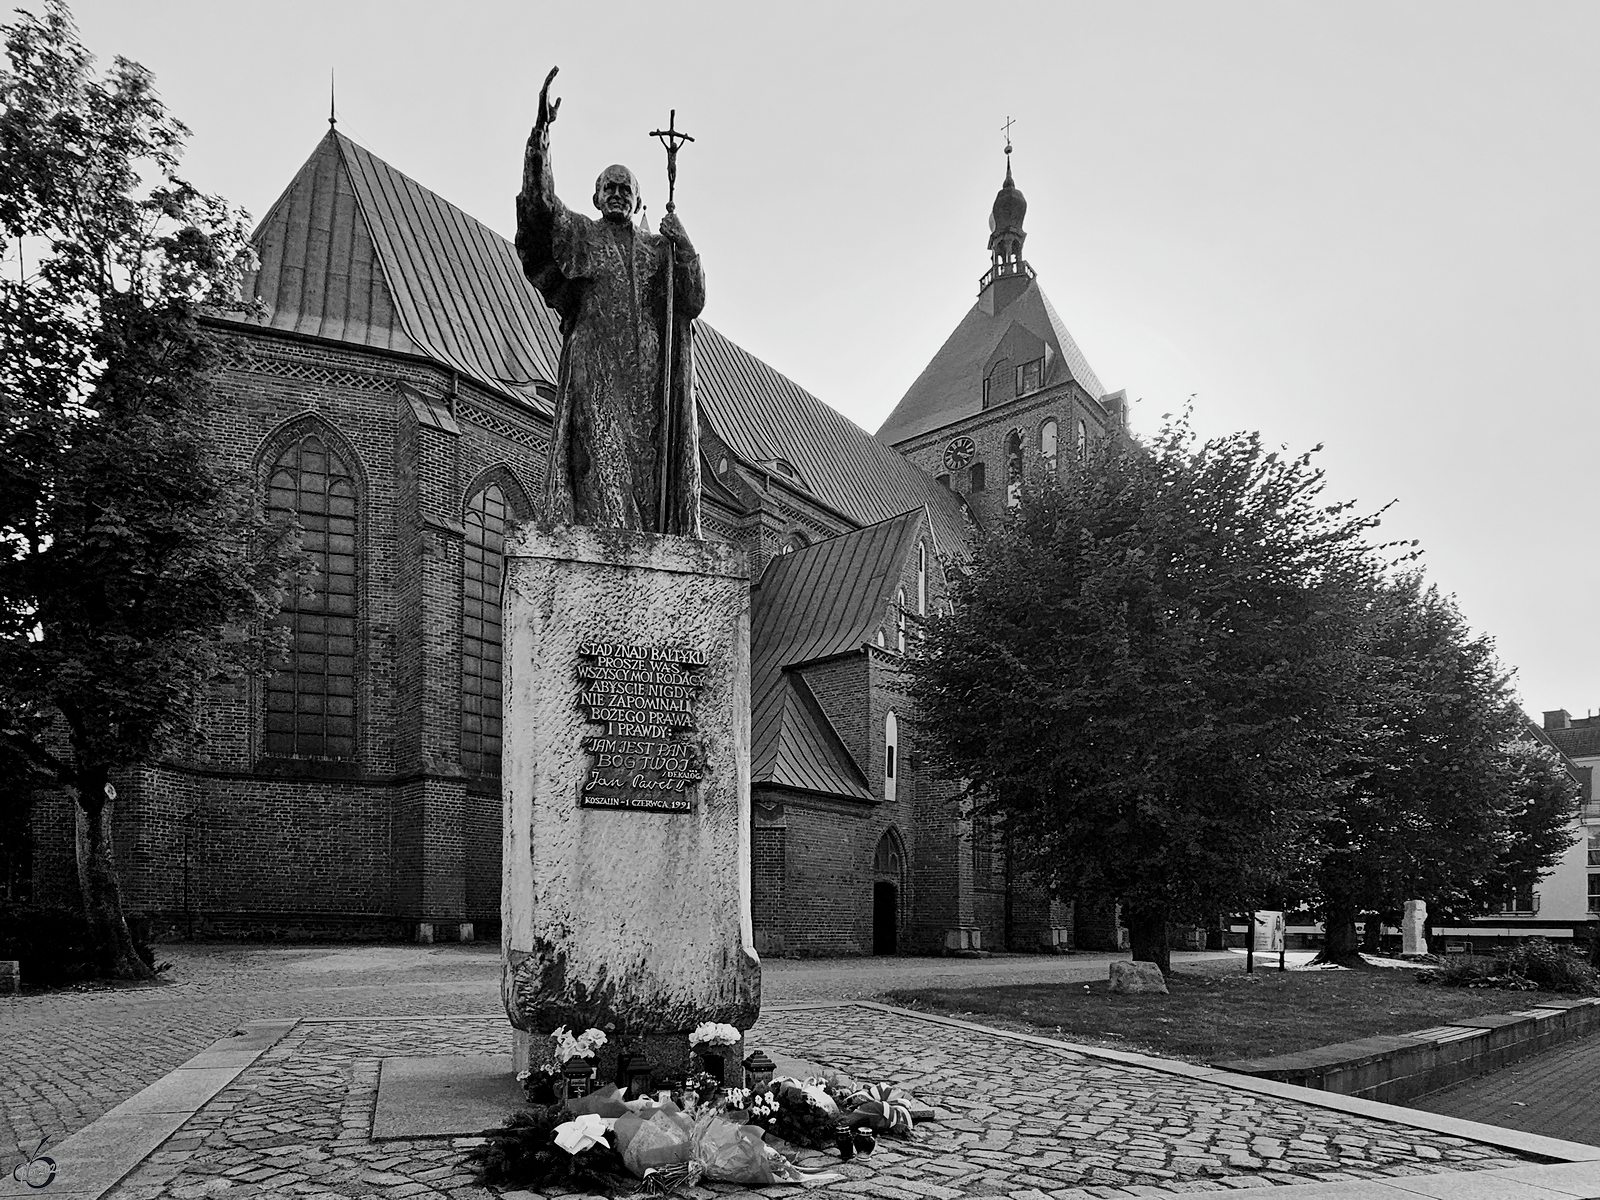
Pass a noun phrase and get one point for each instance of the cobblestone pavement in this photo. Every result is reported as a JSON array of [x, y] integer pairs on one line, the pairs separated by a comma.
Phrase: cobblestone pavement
[[1039, 1124], [1551, 1093], [70, 1056]]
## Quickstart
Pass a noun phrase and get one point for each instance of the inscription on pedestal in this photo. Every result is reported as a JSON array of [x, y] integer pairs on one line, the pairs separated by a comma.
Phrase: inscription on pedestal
[[650, 756]]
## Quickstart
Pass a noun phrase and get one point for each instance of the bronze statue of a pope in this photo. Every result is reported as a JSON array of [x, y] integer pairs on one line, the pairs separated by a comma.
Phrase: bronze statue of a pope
[[624, 451]]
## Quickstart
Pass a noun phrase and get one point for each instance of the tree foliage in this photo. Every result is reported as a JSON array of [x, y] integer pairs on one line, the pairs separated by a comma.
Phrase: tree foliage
[[133, 569], [1184, 679], [1142, 669], [1450, 798]]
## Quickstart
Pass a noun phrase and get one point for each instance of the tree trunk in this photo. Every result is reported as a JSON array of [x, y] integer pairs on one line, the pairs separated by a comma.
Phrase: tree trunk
[[1372, 934], [1147, 934], [1340, 945], [102, 895]]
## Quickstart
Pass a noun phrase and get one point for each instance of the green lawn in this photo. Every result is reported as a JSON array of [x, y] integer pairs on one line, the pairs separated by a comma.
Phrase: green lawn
[[1215, 1017]]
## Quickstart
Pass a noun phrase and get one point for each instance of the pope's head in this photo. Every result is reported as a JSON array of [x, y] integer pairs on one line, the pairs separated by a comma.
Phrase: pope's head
[[616, 194]]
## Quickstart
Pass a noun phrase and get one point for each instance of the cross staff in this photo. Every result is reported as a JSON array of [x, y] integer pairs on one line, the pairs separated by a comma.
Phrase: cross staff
[[673, 139]]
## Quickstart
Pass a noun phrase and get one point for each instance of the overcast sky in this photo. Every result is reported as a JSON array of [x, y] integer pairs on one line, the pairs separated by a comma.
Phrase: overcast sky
[[1366, 225]]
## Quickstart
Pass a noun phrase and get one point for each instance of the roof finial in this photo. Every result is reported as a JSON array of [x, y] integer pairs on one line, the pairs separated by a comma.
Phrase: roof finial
[[334, 120], [1007, 129]]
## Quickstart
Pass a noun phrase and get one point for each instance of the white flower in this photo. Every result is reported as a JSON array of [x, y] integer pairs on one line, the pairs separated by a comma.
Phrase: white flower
[[582, 1046], [713, 1033], [578, 1135]]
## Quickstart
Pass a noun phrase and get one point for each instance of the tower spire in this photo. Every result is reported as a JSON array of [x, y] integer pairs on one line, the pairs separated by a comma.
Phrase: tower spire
[[1008, 274], [333, 118]]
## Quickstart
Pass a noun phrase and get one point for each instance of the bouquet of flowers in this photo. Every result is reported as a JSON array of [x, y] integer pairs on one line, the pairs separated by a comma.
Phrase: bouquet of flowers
[[598, 1141], [669, 1150], [583, 1045], [532, 1150], [713, 1033]]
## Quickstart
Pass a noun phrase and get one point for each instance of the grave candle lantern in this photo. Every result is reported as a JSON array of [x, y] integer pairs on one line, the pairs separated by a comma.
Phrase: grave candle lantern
[[639, 1073], [577, 1077], [758, 1070]]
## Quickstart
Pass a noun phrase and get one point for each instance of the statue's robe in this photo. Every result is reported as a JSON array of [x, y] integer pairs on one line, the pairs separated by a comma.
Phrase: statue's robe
[[608, 283]]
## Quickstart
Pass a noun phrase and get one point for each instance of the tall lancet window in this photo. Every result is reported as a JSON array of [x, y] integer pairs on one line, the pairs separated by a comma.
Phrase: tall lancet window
[[891, 751], [900, 621], [483, 564], [1014, 468], [1048, 434], [922, 579], [311, 697]]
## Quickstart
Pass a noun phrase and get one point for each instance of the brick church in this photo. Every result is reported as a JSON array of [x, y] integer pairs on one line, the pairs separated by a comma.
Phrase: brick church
[[396, 397]]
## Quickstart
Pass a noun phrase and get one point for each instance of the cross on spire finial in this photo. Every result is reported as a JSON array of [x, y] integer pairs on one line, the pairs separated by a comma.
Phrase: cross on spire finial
[[1007, 129]]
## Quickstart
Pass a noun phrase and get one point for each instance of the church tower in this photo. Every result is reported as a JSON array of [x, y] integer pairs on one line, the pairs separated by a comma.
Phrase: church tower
[[1009, 397]]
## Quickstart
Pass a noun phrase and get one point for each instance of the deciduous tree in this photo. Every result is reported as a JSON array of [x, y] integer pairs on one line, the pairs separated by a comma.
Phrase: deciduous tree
[[1449, 800], [133, 570], [1142, 671]]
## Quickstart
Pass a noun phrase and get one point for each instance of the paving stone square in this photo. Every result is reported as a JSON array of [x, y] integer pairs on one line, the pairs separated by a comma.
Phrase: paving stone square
[[1027, 1121]]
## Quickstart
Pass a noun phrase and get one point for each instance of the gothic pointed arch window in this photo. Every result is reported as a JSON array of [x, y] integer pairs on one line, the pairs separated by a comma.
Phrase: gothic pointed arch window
[[1014, 441], [1049, 435], [1083, 440], [900, 621], [487, 517], [891, 755], [922, 579], [983, 856], [311, 696]]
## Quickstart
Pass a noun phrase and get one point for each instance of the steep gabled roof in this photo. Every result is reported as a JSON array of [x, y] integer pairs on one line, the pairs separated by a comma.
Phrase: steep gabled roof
[[821, 601], [950, 386], [356, 251]]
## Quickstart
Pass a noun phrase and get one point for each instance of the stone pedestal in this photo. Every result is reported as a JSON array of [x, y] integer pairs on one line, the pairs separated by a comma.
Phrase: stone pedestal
[[1412, 924], [626, 777], [963, 939], [1056, 940]]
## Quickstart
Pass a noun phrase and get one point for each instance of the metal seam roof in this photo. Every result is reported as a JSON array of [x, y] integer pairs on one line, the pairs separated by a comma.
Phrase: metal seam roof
[[444, 284], [950, 386], [820, 601]]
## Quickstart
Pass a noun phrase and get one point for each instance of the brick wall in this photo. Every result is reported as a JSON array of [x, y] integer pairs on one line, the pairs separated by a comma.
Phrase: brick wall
[[768, 886], [1067, 403], [400, 835]]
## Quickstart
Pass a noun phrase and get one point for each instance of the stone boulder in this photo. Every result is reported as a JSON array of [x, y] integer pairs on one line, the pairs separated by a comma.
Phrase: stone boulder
[[1413, 926], [1137, 978]]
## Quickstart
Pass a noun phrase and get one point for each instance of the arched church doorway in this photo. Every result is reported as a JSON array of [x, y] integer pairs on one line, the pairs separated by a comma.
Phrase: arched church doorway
[[885, 917], [888, 869]]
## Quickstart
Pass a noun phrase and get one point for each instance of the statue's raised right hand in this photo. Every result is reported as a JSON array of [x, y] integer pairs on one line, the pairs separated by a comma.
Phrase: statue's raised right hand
[[547, 110]]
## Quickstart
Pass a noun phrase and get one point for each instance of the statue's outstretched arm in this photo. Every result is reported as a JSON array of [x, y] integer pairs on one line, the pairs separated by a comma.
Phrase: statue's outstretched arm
[[538, 183], [539, 212]]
